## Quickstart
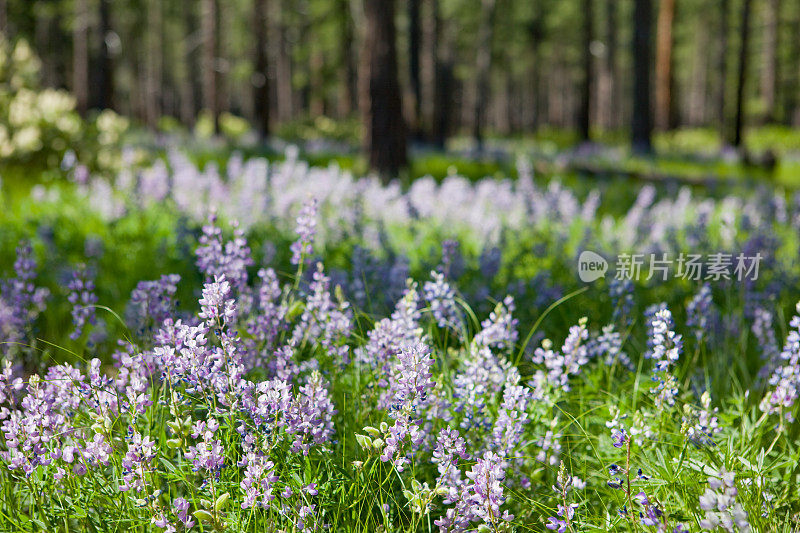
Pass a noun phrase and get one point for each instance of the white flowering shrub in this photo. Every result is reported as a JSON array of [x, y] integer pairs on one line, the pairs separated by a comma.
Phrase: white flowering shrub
[[39, 125]]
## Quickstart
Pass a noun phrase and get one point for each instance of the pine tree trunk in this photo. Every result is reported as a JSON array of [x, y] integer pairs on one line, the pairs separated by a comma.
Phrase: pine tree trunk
[[535, 86], [80, 59], [698, 87], [261, 75], [210, 78], [584, 110], [284, 70], [442, 58], [483, 66], [155, 46], [105, 66], [769, 75], [722, 69], [742, 74], [792, 82], [606, 102], [385, 131], [349, 77], [191, 92], [664, 101], [641, 121], [414, 39]]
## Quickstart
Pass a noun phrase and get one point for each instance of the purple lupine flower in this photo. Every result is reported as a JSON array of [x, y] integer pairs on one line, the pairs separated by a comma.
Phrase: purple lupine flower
[[442, 300], [160, 520], [619, 437], [217, 308], [608, 347], [565, 516], [153, 301], [665, 347], [21, 302], [698, 311], [230, 260], [500, 329], [269, 403], [512, 417], [452, 261], [556, 524], [450, 446], [259, 480], [549, 446], [485, 493], [409, 385], [399, 331], [561, 365], [490, 261], [138, 462], [306, 230], [765, 336], [269, 320], [83, 300], [720, 505], [481, 376], [181, 507], [310, 416], [206, 455], [621, 293], [703, 425], [324, 320], [785, 379]]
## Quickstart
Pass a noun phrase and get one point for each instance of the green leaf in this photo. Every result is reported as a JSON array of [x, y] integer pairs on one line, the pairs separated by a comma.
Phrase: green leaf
[[203, 515], [221, 502], [174, 443], [363, 441], [295, 310], [372, 431]]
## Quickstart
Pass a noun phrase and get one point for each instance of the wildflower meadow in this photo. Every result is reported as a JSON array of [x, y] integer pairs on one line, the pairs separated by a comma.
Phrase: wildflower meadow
[[399, 266], [291, 349]]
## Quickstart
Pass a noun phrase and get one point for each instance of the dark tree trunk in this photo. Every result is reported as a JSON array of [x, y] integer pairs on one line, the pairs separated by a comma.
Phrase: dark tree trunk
[[191, 86], [155, 46], [316, 89], [283, 66], [385, 131], [606, 87], [349, 82], [664, 41], [261, 88], [769, 76], [105, 67], [792, 81], [414, 38], [742, 74], [80, 56], [443, 79], [536, 36], [210, 77], [584, 111], [641, 121], [722, 68], [483, 67]]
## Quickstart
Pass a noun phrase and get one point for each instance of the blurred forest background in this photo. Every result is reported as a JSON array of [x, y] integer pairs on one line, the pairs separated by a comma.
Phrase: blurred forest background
[[386, 74]]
